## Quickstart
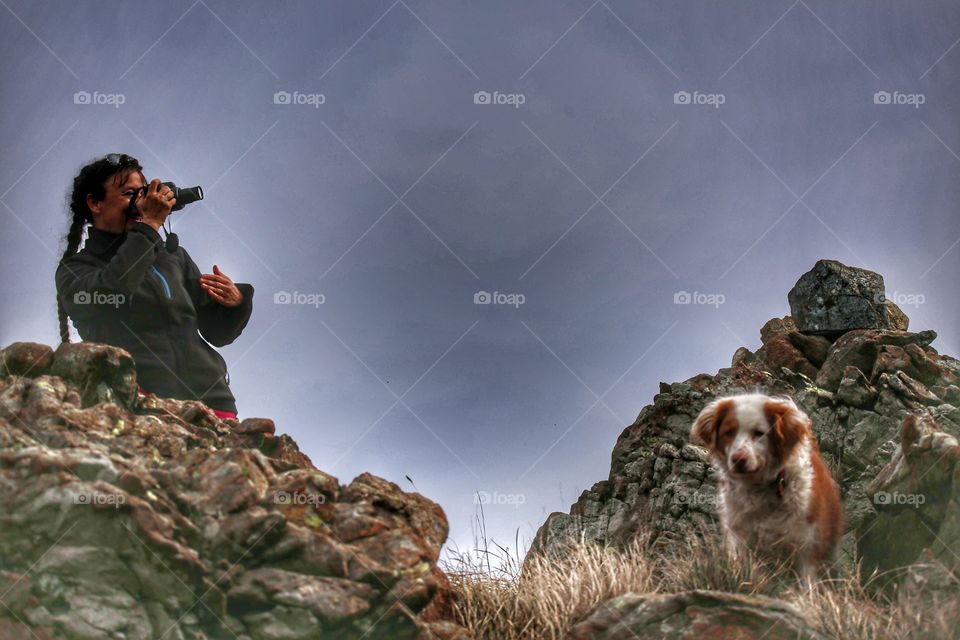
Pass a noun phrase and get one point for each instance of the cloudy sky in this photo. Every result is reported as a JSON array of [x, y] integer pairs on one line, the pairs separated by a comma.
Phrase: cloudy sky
[[381, 164]]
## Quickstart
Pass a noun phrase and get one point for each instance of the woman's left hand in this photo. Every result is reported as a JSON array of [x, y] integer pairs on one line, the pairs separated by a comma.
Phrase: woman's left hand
[[221, 288]]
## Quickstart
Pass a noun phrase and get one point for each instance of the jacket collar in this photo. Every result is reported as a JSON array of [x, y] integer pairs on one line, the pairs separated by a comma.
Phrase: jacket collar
[[100, 241]]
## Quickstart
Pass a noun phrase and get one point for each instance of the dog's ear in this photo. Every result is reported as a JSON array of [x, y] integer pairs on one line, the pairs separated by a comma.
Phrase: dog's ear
[[788, 425], [705, 427]]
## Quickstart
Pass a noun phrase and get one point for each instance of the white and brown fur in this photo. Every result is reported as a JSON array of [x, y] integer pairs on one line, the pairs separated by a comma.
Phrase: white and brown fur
[[776, 496]]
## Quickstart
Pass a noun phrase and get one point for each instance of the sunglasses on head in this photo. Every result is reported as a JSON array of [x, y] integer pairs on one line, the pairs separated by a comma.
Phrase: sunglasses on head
[[117, 159]]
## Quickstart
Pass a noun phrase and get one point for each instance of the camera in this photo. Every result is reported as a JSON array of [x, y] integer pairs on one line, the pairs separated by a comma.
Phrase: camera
[[184, 196]]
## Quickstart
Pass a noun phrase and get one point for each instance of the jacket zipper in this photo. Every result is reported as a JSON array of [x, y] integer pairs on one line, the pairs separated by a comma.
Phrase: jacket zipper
[[173, 342], [166, 287], [176, 359]]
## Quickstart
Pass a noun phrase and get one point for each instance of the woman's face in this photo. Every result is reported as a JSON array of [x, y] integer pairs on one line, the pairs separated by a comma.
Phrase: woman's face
[[110, 214]]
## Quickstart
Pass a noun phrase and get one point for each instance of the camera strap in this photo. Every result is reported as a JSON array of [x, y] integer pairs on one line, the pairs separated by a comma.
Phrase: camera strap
[[172, 241]]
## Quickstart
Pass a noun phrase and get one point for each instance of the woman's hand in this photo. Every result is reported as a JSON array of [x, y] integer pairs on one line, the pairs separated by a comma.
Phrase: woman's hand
[[154, 202], [221, 288]]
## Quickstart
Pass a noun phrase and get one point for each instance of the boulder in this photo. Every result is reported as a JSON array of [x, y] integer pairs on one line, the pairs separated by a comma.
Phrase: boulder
[[862, 347], [706, 615], [742, 354], [101, 373], [129, 517], [833, 298], [774, 326], [25, 358], [916, 510]]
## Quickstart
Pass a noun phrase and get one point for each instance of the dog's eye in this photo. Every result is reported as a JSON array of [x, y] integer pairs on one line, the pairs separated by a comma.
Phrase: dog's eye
[[757, 433]]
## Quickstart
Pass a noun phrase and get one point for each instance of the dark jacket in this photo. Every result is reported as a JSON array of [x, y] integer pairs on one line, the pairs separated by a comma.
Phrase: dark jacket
[[127, 290]]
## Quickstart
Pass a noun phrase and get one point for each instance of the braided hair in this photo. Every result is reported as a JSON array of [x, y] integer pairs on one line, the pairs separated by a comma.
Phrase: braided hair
[[91, 180]]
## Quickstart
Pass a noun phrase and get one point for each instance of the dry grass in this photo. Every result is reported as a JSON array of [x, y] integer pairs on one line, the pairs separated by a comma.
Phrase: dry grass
[[543, 598], [845, 609], [499, 597]]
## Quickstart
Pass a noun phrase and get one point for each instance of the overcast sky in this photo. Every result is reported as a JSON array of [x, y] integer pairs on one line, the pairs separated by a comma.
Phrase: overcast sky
[[347, 158]]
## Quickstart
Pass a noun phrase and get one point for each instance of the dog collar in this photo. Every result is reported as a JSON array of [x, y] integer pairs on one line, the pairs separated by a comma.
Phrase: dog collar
[[780, 483]]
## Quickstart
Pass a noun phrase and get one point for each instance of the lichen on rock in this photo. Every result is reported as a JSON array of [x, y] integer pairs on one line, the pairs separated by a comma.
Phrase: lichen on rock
[[857, 383], [141, 517]]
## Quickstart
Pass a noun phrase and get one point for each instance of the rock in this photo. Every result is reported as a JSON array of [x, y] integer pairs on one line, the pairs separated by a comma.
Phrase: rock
[[929, 581], [814, 348], [890, 359], [951, 394], [915, 506], [658, 482], [25, 358], [707, 615], [909, 389], [256, 425], [776, 326], [742, 354], [802, 381], [124, 518], [855, 390], [924, 365], [866, 443], [327, 599], [860, 348], [779, 351], [100, 372], [833, 298], [898, 319]]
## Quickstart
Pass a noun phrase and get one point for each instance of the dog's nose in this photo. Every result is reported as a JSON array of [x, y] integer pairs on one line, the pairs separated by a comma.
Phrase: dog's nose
[[739, 461]]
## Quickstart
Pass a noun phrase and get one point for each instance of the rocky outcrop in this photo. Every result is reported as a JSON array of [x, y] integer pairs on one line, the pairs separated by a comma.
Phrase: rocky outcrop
[[707, 615], [858, 387], [130, 517], [917, 503]]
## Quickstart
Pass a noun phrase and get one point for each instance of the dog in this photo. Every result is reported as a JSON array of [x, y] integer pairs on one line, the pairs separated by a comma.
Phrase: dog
[[776, 495]]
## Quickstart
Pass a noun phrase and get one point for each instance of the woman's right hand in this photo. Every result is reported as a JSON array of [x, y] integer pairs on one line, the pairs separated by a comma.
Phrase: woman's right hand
[[154, 203]]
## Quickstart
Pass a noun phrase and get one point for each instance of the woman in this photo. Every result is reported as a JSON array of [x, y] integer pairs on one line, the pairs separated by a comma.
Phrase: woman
[[126, 288]]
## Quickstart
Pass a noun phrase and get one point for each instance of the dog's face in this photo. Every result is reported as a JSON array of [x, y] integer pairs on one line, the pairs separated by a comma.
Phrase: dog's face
[[750, 435]]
